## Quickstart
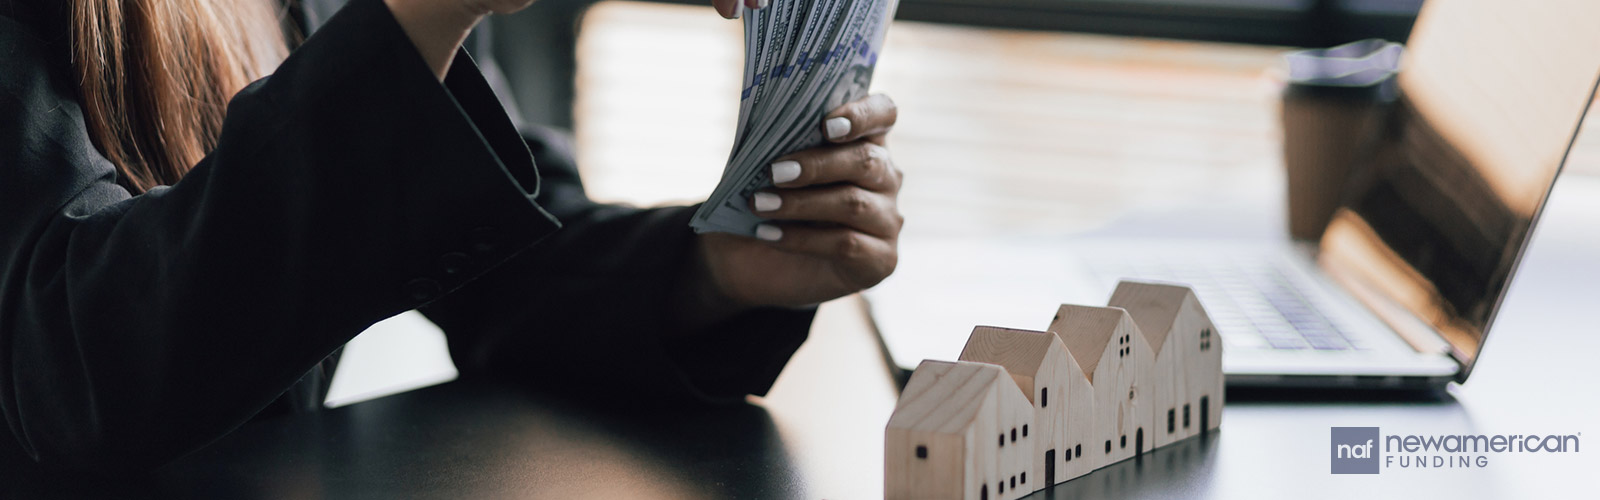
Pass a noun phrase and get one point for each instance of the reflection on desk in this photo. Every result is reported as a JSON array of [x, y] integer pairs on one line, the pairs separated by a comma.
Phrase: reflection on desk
[[476, 440], [469, 440]]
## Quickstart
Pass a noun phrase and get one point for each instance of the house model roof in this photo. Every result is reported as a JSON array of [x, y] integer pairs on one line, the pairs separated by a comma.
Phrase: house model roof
[[1153, 306], [1087, 330], [1021, 352], [944, 397]]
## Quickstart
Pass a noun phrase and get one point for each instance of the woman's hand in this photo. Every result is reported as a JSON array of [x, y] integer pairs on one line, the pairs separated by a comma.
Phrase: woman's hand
[[835, 223], [437, 27]]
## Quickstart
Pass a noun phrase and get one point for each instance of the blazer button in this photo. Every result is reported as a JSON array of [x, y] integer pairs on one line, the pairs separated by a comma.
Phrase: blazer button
[[482, 240], [423, 289], [454, 263]]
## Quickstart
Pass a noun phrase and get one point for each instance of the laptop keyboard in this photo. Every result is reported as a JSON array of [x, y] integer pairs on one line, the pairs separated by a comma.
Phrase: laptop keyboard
[[1255, 304]]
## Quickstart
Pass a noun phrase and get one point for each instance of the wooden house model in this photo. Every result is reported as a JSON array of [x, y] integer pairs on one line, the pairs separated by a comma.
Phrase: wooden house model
[[1187, 371], [1114, 356], [1062, 399], [957, 433], [1023, 410]]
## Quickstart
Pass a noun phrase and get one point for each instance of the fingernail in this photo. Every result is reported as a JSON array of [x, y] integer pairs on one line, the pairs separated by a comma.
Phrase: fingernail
[[738, 10], [837, 127], [785, 171], [768, 232], [763, 4], [767, 202]]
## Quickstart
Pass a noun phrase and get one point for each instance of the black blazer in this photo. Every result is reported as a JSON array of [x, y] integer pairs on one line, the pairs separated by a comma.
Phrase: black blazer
[[346, 188]]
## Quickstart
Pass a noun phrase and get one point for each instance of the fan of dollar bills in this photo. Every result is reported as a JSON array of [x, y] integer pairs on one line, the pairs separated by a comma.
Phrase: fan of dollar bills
[[802, 59]]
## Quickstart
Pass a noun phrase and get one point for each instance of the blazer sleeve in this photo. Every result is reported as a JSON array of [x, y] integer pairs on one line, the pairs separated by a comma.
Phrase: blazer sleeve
[[587, 311], [347, 187]]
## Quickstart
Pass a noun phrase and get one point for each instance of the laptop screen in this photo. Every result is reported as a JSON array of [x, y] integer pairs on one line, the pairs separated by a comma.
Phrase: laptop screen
[[1492, 94]]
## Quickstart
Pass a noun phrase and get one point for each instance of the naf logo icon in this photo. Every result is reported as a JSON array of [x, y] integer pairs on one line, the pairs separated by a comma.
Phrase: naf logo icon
[[1355, 450]]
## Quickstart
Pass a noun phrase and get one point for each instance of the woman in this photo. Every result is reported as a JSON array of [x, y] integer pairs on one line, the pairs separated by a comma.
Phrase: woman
[[173, 262]]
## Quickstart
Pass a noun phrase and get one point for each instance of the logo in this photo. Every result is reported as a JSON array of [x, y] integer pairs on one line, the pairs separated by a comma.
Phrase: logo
[[1355, 450], [1361, 450]]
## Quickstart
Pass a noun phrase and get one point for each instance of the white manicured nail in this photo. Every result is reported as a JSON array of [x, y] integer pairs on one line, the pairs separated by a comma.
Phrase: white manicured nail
[[738, 9], [785, 171], [764, 3], [768, 232], [837, 127], [767, 202]]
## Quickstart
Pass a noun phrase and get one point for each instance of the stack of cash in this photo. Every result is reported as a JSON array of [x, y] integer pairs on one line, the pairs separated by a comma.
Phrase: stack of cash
[[802, 59]]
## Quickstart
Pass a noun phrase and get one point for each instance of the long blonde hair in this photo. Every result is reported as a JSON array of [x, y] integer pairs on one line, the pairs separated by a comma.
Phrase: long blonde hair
[[156, 76]]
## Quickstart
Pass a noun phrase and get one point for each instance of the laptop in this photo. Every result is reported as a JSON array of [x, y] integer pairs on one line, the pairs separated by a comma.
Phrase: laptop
[[1403, 287]]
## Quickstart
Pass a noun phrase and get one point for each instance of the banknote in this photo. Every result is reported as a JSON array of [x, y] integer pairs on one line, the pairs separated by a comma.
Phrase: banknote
[[802, 59]]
